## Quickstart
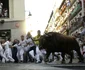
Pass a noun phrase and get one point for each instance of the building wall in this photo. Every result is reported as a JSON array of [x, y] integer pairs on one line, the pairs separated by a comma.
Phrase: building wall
[[19, 9], [11, 9], [16, 10], [16, 32], [16, 16], [67, 22]]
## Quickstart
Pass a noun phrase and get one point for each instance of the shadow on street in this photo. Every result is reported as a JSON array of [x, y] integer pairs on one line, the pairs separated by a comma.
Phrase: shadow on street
[[72, 67]]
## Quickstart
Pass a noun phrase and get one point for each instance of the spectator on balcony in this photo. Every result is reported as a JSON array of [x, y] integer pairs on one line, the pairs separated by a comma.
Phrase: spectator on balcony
[[1, 4], [68, 2], [5, 12]]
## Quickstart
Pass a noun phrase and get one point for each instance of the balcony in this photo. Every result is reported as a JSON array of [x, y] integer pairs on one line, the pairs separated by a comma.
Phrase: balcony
[[75, 25], [75, 11], [72, 2]]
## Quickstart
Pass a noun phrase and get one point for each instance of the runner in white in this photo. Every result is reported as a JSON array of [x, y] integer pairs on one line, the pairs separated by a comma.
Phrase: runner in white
[[23, 48], [7, 52], [2, 54], [19, 51]]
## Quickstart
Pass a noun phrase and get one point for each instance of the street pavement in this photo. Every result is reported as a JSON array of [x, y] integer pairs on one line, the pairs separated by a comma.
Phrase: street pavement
[[29, 66], [33, 66], [56, 65]]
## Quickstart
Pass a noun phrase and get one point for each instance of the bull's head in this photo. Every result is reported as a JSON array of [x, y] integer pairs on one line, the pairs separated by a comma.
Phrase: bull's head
[[45, 40], [42, 42], [48, 34]]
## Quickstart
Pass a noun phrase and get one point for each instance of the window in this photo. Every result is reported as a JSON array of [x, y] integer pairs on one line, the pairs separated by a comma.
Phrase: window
[[4, 8], [5, 34]]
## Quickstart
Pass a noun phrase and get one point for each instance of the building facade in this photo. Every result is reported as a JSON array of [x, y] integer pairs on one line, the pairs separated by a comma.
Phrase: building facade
[[12, 24], [69, 19]]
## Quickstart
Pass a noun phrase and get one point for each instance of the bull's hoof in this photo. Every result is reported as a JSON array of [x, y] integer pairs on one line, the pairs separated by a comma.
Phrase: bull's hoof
[[70, 62], [46, 60], [81, 62], [63, 62], [51, 60]]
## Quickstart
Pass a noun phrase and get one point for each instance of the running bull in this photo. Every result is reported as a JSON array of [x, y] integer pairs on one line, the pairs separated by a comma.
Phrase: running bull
[[56, 42]]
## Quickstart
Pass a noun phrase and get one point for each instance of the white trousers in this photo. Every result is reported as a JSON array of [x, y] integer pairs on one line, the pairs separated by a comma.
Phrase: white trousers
[[4, 58], [20, 54], [8, 54], [38, 54]]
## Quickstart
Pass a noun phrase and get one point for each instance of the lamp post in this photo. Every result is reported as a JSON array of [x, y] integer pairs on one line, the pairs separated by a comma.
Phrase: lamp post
[[30, 14], [27, 21]]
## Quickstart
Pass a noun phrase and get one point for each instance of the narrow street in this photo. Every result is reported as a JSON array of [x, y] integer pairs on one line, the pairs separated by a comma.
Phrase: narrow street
[[41, 66], [42, 34]]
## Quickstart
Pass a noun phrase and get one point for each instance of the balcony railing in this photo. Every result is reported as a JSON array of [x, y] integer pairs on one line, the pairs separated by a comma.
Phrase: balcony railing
[[75, 26], [75, 11]]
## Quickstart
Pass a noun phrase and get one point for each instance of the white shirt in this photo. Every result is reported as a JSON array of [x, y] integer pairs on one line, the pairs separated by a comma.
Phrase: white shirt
[[6, 45], [30, 41], [18, 46], [83, 48], [1, 47], [1, 4], [9, 43], [23, 43]]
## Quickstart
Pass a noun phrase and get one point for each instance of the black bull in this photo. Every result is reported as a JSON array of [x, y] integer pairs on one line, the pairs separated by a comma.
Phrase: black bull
[[56, 42]]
